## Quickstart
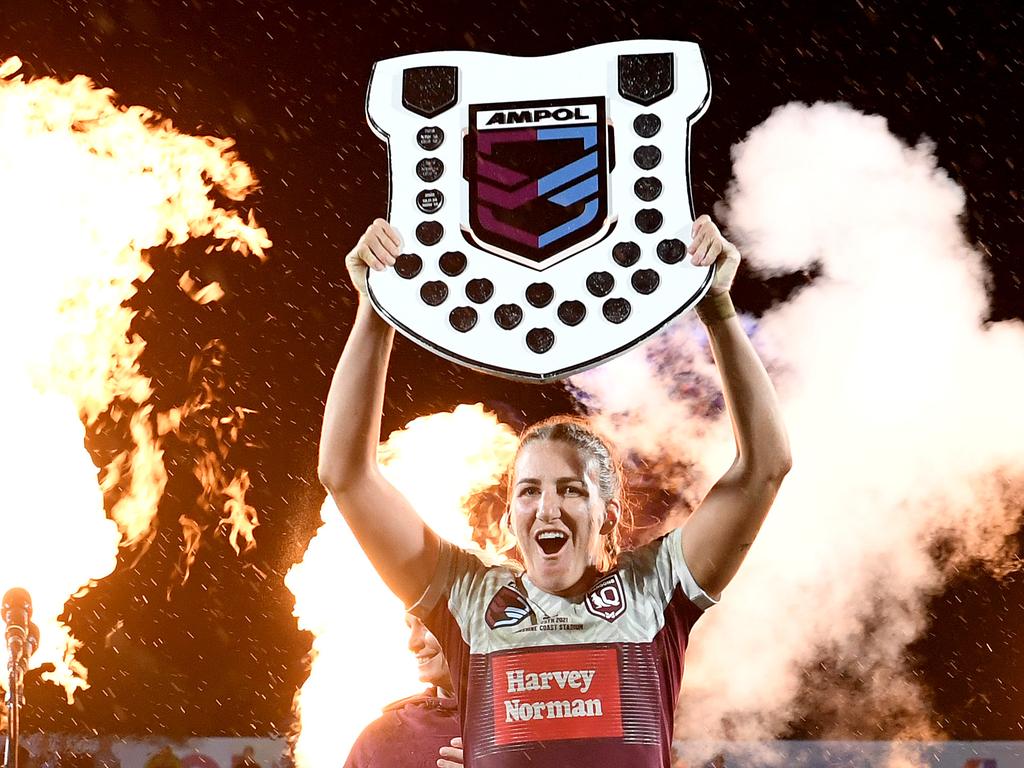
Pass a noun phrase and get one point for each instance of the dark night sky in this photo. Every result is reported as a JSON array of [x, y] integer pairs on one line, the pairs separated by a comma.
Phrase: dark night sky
[[287, 80]]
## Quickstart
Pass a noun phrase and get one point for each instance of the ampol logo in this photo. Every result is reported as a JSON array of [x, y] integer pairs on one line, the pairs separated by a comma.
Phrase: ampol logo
[[607, 598], [538, 176]]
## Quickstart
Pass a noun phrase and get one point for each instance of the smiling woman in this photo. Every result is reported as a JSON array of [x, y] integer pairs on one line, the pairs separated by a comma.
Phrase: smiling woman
[[574, 657], [416, 731], [566, 502]]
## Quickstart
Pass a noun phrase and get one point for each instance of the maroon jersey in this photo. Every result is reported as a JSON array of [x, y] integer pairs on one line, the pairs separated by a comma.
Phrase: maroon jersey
[[408, 735], [545, 681]]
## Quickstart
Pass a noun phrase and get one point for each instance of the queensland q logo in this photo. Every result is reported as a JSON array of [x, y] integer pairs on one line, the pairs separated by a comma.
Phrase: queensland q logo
[[607, 599], [544, 202]]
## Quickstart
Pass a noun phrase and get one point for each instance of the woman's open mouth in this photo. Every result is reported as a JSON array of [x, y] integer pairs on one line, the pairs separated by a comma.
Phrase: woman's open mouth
[[551, 542]]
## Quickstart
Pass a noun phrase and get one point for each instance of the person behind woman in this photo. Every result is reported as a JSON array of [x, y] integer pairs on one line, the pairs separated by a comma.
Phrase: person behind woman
[[416, 731], [577, 657]]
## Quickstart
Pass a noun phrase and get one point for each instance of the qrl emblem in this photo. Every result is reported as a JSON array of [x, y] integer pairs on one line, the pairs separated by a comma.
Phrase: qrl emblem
[[607, 599], [538, 179], [544, 203]]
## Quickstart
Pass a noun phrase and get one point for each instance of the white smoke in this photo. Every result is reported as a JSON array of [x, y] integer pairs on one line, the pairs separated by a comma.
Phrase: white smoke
[[904, 412]]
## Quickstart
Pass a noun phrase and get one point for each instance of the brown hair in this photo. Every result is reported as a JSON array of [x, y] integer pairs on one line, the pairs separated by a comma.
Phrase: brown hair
[[577, 433]]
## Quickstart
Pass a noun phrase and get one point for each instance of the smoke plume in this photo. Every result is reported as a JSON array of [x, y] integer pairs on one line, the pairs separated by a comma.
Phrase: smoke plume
[[904, 413]]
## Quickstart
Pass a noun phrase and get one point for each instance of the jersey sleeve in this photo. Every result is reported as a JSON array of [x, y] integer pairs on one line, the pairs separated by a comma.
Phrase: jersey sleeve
[[456, 578], [446, 603], [660, 568]]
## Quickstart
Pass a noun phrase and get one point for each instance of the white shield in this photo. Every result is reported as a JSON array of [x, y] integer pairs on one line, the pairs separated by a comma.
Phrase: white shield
[[544, 203]]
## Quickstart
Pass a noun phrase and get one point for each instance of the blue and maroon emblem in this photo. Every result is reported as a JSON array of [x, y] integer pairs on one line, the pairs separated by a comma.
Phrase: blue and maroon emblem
[[537, 174]]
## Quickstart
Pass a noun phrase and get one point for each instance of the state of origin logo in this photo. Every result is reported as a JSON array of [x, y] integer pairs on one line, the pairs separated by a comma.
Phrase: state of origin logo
[[537, 174]]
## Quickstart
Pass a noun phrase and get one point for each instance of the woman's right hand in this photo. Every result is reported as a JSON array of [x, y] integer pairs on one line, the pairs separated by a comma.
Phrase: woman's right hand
[[377, 249]]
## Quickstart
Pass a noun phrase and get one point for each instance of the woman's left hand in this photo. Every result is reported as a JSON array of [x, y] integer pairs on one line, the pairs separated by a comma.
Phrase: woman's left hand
[[452, 757], [710, 247]]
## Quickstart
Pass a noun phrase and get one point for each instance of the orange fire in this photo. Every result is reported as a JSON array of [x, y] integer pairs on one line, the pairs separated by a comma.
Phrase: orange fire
[[359, 659], [89, 186]]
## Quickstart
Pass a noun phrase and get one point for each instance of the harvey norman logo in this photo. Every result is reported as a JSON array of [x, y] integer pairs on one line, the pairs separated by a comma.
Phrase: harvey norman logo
[[561, 694], [522, 117], [520, 681]]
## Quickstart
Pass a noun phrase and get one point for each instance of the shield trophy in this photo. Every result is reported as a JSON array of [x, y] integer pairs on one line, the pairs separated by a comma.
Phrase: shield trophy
[[544, 203]]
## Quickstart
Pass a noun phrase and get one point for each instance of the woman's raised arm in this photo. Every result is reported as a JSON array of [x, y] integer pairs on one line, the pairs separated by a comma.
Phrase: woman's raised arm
[[724, 525], [400, 546]]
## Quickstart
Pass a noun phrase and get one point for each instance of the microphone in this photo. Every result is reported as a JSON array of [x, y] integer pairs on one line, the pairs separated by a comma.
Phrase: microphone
[[17, 615], [33, 639], [22, 640]]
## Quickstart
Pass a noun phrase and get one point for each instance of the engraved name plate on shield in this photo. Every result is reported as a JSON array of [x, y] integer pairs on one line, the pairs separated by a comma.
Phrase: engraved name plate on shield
[[544, 202]]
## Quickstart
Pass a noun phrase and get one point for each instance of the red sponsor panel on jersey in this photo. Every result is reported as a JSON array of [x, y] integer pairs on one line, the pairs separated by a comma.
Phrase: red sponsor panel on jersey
[[557, 694]]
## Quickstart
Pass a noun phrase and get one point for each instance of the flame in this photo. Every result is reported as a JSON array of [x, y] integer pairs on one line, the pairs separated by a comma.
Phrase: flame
[[239, 518], [438, 462], [205, 294], [223, 494], [89, 186]]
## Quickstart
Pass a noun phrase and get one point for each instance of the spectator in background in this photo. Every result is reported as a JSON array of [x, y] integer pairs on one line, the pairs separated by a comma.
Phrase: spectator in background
[[413, 732], [165, 758], [105, 756], [245, 760]]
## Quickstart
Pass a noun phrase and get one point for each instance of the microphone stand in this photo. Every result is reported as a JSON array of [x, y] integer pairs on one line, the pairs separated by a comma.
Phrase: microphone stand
[[15, 697], [22, 640]]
